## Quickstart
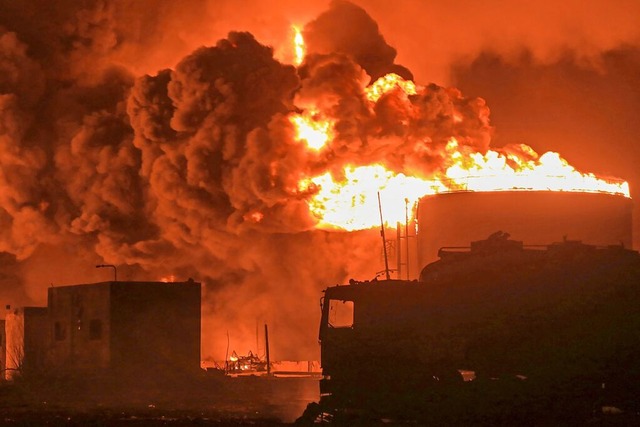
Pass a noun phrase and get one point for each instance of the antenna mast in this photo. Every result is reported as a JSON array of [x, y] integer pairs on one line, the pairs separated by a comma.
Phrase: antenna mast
[[384, 241]]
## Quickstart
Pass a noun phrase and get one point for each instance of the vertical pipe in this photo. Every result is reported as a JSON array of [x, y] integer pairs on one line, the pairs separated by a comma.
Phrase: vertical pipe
[[226, 356], [398, 251], [266, 345], [406, 233], [418, 236], [384, 241]]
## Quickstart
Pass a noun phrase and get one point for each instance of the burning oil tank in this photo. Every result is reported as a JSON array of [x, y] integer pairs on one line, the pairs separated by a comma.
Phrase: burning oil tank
[[535, 217]]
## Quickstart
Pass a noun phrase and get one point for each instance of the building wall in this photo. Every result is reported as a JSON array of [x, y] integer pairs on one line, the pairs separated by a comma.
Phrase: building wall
[[26, 340], [146, 327], [79, 326], [3, 350], [155, 326]]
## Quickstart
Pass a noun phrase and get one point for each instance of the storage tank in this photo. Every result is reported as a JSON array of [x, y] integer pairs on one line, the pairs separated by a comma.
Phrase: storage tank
[[534, 217]]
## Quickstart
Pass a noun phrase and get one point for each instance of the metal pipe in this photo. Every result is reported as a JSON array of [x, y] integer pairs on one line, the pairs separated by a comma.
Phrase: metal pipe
[[384, 241], [406, 234], [115, 270], [398, 251]]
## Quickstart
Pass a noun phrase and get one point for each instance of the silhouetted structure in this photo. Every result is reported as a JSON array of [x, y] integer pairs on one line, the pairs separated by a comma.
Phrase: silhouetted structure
[[142, 327], [3, 349], [25, 340], [535, 217], [543, 329]]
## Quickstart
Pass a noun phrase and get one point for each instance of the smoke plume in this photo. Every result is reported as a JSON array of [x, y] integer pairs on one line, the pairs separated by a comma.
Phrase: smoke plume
[[130, 138]]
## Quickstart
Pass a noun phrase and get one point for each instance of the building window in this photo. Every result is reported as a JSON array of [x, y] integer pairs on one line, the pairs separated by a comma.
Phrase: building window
[[59, 331], [95, 329]]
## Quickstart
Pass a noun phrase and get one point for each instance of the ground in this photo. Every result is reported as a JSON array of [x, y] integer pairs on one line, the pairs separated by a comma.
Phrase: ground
[[201, 400]]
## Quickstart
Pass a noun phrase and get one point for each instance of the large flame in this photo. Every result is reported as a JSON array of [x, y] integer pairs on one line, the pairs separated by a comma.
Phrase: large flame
[[388, 83], [495, 171], [298, 45], [352, 204], [313, 129], [350, 201]]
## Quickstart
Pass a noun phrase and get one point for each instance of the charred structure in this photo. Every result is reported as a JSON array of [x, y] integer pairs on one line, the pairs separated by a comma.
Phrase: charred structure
[[544, 325]]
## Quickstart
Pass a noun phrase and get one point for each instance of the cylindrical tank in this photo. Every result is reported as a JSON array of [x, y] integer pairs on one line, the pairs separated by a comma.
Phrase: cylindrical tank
[[534, 217]]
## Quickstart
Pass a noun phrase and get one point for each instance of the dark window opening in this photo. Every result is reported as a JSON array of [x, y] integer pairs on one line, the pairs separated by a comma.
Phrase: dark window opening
[[95, 329], [59, 331], [341, 314]]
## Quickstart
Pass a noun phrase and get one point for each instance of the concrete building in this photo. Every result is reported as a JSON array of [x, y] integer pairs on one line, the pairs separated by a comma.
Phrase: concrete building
[[142, 327], [3, 349], [26, 340]]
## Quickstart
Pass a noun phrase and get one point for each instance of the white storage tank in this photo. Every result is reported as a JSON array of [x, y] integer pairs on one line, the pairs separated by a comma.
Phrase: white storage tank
[[533, 217]]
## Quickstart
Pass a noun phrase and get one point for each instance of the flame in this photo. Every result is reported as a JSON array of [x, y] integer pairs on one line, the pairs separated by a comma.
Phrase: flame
[[351, 203], [350, 200], [254, 216], [495, 171], [388, 83], [298, 45], [168, 279], [312, 128]]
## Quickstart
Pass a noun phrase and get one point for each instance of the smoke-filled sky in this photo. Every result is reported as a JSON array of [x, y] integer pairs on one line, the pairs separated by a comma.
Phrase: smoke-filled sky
[[149, 133]]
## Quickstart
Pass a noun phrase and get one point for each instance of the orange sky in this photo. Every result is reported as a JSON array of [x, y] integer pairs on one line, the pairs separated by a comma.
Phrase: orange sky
[[429, 36]]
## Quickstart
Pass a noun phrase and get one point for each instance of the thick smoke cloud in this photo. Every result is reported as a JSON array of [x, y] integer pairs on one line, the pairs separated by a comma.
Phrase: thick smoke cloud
[[21, 86], [347, 28], [161, 142]]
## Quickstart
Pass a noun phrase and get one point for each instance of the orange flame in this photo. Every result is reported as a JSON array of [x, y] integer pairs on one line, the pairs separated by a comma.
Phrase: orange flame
[[351, 203], [312, 128], [496, 171], [298, 46], [387, 84]]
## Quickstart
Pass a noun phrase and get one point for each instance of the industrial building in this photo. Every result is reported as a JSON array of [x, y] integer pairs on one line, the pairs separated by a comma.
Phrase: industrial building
[[142, 327]]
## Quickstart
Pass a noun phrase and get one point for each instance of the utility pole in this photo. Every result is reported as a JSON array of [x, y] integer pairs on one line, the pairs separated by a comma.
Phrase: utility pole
[[266, 344]]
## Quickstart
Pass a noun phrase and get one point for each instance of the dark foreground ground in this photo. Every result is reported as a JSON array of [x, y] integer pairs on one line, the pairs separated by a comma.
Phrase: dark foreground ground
[[201, 401], [209, 400]]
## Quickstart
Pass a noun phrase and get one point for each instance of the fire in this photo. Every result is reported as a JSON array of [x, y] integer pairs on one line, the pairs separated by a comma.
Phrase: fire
[[352, 203], [168, 279], [313, 129], [298, 45], [349, 202], [495, 171], [254, 217], [388, 83]]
